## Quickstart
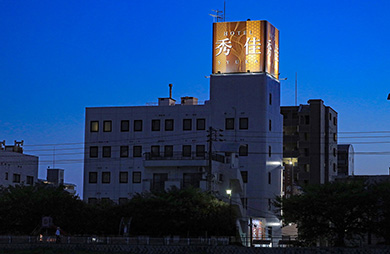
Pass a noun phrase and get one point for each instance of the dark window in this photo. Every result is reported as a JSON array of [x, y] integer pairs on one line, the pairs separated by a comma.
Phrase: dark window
[[187, 124], [335, 120], [107, 126], [307, 119], [6, 175], [137, 151], [93, 151], [244, 175], [124, 152], [155, 151], [270, 99], [156, 125], [168, 151], [269, 151], [334, 152], [269, 177], [269, 205], [106, 177], [159, 181], [229, 123], [94, 126], [243, 151], [137, 177], [30, 180], [169, 124], [244, 123], [330, 116], [200, 124], [92, 177], [186, 150], [106, 151], [191, 179], [123, 177], [200, 150], [16, 178], [307, 152], [270, 125], [334, 167], [307, 168], [137, 125], [125, 125]]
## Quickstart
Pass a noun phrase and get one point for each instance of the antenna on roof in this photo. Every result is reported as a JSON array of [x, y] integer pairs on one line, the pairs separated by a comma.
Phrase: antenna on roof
[[217, 17]]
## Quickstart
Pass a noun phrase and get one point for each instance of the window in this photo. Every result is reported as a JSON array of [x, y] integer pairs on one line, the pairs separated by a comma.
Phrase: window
[[187, 124], [269, 177], [137, 151], [334, 152], [269, 151], [92, 177], [335, 136], [93, 151], [244, 123], [307, 168], [6, 175], [124, 151], [106, 177], [169, 124], [244, 175], [106, 151], [156, 125], [307, 119], [168, 151], [186, 151], [137, 125], [334, 120], [30, 180], [191, 179], [125, 125], [200, 150], [270, 125], [94, 126], [200, 124], [123, 177], [229, 124], [269, 204], [16, 178], [159, 181], [243, 150], [307, 136], [270, 99], [307, 152], [107, 126], [155, 151], [136, 177], [330, 116], [334, 167]]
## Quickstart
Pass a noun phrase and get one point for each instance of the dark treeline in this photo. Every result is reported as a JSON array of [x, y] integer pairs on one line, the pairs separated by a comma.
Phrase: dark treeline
[[188, 212], [339, 213]]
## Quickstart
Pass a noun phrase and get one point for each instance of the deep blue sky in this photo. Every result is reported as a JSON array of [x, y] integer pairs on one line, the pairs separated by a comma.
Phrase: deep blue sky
[[58, 57]]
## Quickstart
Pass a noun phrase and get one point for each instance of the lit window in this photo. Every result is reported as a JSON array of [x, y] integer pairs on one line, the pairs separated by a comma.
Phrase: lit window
[[125, 125], [229, 124], [106, 177], [107, 126], [94, 126]]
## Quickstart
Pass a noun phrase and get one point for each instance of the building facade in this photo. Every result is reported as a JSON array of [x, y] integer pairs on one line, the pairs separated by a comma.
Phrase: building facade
[[137, 149], [345, 160], [17, 167], [309, 144]]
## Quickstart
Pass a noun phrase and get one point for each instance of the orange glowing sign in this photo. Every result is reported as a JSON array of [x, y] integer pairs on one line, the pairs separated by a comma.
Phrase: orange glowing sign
[[245, 46]]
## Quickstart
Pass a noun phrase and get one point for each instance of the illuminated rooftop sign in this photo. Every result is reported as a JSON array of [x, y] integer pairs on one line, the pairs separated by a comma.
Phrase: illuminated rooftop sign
[[245, 46]]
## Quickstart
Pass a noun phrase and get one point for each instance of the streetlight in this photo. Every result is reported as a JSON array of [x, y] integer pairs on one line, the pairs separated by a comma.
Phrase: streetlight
[[229, 193]]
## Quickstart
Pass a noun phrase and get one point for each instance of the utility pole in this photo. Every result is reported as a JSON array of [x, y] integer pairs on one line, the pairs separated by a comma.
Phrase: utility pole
[[213, 135]]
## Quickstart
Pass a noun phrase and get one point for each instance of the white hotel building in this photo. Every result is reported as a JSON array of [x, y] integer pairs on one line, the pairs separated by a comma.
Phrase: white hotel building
[[137, 149]]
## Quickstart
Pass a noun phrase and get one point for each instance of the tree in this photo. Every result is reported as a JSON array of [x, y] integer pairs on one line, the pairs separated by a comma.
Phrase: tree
[[334, 212]]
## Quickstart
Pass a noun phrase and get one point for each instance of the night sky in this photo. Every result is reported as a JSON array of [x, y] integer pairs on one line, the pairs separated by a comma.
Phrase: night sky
[[58, 57]]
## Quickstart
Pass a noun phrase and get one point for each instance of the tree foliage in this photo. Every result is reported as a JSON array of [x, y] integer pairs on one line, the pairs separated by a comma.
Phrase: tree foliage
[[188, 212]]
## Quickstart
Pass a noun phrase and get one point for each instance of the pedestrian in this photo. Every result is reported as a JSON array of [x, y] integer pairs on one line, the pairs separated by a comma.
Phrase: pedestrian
[[58, 235]]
